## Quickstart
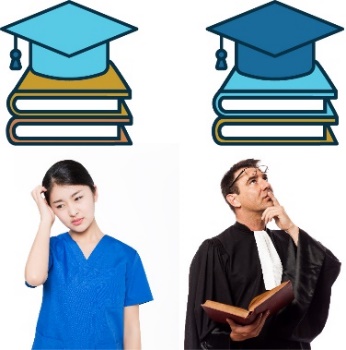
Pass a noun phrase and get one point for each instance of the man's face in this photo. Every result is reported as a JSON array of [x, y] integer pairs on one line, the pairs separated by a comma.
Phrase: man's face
[[253, 188]]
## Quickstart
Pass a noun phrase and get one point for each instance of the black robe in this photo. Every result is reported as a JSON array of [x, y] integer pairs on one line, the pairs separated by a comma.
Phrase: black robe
[[227, 269]]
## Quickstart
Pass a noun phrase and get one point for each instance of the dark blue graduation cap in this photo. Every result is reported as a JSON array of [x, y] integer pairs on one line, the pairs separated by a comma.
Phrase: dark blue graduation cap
[[67, 41], [272, 41]]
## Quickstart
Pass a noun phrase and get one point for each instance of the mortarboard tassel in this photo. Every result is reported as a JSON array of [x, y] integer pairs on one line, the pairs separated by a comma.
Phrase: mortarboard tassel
[[221, 55], [15, 55]]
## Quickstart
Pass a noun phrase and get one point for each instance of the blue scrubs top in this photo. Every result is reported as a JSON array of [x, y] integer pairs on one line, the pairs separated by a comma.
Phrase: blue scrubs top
[[84, 299]]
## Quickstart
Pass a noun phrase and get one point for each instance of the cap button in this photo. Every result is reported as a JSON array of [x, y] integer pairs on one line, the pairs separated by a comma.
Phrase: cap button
[[221, 63], [15, 55]]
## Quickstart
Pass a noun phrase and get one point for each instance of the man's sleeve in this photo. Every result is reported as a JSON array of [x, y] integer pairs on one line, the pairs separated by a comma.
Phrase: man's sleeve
[[207, 280], [313, 269]]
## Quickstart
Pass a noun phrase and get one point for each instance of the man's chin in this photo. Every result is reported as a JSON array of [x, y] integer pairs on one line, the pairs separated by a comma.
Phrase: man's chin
[[269, 203]]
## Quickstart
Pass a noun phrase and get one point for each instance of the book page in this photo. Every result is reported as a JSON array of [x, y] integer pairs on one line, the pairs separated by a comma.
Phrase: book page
[[226, 308], [266, 295]]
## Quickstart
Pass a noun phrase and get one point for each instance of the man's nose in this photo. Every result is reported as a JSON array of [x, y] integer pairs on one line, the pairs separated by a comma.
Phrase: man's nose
[[264, 183]]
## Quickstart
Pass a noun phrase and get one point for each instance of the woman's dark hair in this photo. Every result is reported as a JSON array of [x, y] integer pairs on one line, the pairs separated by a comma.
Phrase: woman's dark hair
[[66, 172]]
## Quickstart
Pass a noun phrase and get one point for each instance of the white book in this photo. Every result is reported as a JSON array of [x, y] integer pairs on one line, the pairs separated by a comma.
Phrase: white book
[[64, 104], [273, 105]]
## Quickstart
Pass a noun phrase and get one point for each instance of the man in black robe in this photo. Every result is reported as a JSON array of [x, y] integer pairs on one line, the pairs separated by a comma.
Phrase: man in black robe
[[227, 269]]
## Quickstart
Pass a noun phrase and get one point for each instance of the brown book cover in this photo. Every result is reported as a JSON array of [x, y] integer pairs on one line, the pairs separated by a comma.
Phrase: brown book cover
[[108, 88], [93, 110], [272, 300], [111, 83]]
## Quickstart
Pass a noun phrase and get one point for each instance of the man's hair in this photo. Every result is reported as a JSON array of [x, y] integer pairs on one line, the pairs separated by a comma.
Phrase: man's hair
[[229, 177]]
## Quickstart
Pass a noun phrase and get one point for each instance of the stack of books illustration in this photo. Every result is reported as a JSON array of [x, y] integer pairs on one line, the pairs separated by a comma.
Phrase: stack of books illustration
[[71, 93], [277, 92]]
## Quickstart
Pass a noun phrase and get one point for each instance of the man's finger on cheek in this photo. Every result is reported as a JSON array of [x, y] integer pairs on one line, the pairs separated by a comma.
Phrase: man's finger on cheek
[[268, 211], [264, 214], [266, 218]]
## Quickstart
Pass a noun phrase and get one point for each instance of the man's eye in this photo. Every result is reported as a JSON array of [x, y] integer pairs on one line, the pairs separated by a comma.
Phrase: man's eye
[[253, 181]]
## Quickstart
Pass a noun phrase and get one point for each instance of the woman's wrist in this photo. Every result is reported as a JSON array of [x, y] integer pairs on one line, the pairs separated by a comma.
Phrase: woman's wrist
[[46, 225]]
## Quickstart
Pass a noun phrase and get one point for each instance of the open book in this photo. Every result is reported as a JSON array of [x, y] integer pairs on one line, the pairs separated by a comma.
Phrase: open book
[[272, 300]]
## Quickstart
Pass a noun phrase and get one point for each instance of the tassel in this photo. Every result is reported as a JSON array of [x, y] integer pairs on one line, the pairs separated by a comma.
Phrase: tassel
[[221, 55], [15, 55]]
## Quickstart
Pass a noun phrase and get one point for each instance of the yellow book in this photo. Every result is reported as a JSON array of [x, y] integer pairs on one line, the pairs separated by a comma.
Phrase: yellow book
[[36, 95], [49, 111], [66, 131]]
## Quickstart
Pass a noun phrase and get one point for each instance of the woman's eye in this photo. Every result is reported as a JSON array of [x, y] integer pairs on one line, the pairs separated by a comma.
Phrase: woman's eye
[[60, 206], [78, 198]]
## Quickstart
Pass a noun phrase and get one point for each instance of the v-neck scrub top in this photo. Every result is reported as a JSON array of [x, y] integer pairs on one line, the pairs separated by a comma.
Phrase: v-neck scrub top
[[84, 298]]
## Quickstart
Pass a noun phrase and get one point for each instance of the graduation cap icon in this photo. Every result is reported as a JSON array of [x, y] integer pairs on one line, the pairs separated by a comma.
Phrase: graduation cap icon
[[272, 41], [67, 41], [71, 93]]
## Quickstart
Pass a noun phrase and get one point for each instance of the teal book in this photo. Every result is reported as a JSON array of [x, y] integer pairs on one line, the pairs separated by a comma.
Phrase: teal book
[[292, 128], [328, 116], [306, 94]]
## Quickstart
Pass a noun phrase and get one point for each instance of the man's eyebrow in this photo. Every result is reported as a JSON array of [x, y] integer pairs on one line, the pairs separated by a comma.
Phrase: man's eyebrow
[[72, 195], [254, 176]]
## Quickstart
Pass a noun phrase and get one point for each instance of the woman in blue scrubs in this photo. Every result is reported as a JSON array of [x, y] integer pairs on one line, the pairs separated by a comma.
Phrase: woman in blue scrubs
[[93, 284]]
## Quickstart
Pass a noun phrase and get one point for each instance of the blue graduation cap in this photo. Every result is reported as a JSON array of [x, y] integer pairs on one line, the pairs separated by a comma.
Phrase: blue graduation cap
[[67, 41], [272, 41]]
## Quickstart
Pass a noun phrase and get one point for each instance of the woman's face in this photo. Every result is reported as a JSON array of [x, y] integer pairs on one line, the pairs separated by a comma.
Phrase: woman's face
[[74, 205]]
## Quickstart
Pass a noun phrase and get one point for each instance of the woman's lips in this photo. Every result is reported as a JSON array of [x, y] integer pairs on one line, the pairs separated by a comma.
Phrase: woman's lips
[[77, 222]]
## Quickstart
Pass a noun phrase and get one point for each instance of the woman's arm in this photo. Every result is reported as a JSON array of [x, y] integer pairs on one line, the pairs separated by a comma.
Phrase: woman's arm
[[36, 269], [132, 331]]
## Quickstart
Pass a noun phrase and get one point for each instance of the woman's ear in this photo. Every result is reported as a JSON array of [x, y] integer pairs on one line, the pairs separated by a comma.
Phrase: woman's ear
[[96, 194], [232, 199]]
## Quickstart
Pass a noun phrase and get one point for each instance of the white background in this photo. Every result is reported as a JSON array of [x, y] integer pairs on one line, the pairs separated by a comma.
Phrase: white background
[[162, 195]]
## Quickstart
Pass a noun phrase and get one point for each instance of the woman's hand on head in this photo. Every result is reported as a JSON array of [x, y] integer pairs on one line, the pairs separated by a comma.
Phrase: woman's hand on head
[[46, 212]]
